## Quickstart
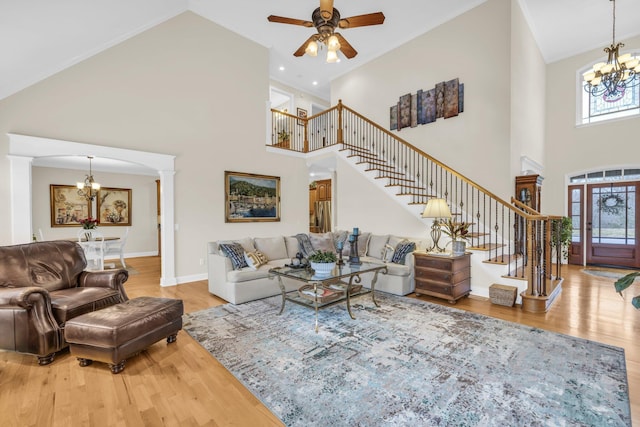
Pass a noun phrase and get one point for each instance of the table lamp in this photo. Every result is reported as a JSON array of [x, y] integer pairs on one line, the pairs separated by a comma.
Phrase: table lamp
[[437, 209]]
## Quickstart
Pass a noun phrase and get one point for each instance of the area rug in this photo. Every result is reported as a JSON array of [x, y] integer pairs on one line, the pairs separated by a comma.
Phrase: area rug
[[410, 362], [607, 273]]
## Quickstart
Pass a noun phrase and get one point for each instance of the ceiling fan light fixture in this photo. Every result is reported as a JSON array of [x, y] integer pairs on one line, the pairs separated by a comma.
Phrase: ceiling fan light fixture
[[312, 48], [333, 43], [332, 56]]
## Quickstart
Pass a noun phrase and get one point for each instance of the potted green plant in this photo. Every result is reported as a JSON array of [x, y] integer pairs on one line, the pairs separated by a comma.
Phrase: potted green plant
[[562, 238], [283, 136], [323, 262], [458, 232], [626, 281]]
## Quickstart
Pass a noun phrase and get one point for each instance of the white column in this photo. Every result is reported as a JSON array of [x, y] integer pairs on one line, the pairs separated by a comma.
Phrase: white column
[[20, 188], [167, 229]]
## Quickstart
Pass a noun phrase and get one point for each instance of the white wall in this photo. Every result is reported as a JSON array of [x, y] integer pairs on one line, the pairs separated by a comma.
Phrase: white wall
[[143, 237], [173, 89], [571, 148], [473, 47], [528, 79]]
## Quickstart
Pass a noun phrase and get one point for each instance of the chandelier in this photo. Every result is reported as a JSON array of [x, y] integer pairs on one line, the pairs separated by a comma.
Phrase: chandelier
[[611, 78], [89, 188]]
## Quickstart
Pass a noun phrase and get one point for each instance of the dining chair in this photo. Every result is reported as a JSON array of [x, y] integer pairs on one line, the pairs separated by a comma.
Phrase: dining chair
[[92, 242], [116, 247]]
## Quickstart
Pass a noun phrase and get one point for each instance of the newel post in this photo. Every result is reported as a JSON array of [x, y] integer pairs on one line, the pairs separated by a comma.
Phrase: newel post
[[340, 139], [306, 136]]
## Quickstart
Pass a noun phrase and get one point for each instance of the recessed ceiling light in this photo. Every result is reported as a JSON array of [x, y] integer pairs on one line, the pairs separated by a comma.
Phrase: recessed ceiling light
[[315, 83], [281, 68]]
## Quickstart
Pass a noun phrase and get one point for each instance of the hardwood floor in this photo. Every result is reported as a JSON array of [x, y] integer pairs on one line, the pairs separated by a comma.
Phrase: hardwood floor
[[181, 384]]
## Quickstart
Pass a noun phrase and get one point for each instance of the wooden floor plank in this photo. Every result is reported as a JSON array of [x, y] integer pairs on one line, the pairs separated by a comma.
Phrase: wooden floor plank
[[181, 384]]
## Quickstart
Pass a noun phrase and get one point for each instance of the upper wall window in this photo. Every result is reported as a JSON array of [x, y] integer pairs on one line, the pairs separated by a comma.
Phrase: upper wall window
[[600, 107]]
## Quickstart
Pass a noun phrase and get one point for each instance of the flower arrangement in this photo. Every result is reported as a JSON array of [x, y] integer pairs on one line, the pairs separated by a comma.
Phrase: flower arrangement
[[89, 223], [457, 231]]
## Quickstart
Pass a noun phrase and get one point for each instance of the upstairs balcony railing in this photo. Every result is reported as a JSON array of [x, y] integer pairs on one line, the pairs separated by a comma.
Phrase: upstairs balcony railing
[[515, 234]]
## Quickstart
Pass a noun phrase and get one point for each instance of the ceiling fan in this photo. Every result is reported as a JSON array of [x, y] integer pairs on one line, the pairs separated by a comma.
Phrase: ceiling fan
[[326, 20]]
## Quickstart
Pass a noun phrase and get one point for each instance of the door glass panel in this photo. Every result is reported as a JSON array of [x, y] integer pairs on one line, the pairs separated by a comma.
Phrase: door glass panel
[[613, 215], [576, 215]]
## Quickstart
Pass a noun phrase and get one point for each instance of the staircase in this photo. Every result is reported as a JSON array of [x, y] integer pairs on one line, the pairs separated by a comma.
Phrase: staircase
[[513, 244]]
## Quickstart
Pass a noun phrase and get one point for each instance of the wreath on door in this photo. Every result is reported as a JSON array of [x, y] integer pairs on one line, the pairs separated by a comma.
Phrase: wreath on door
[[611, 203]]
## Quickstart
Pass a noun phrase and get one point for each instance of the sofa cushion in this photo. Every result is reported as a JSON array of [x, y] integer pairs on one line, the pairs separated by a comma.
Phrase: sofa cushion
[[247, 274], [272, 247], [394, 240], [255, 259], [322, 241], [363, 240], [235, 252], [398, 270], [402, 250], [292, 246], [377, 245]]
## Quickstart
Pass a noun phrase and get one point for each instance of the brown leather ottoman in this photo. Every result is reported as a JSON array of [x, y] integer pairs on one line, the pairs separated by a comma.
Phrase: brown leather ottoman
[[115, 333]]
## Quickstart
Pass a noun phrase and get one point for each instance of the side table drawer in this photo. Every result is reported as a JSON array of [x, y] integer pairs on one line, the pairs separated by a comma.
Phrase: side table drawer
[[442, 276]]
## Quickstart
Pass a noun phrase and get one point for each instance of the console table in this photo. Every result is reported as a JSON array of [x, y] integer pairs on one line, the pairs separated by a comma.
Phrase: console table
[[447, 277]]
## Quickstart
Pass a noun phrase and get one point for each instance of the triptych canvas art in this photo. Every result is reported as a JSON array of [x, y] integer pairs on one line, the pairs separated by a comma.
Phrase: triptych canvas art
[[445, 100]]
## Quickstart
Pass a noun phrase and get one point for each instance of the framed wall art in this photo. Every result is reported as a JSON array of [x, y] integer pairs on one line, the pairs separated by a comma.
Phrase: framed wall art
[[251, 198], [302, 113], [114, 206], [68, 208]]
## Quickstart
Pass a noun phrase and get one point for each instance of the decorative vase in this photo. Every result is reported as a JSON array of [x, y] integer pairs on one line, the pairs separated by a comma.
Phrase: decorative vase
[[88, 235], [458, 247], [323, 269]]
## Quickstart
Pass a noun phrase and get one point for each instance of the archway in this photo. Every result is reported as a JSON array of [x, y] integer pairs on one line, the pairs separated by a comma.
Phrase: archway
[[23, 149]]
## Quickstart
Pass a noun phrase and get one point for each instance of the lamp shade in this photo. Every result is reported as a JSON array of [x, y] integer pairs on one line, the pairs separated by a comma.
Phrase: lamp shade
[[332, 56], [436, 208], [312, 48]]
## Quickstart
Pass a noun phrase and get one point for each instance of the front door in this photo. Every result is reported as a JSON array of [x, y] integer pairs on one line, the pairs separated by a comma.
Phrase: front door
[[611, 235]]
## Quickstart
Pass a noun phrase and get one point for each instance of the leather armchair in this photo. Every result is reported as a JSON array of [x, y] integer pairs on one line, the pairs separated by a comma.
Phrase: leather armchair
[[42, 285]]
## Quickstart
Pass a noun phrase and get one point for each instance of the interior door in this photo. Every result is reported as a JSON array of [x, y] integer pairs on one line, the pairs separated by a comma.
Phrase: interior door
[[611, 234]]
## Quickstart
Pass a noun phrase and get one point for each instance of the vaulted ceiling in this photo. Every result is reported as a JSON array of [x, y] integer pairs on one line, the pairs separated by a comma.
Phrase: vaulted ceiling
[[39, 38]]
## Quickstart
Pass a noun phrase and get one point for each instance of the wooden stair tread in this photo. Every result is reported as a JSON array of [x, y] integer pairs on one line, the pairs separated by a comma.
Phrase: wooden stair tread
[[346, 146], [486, 246], [373, 162], [503, 259], [365, 155], [476, 234], [517, 274], [396, 178], [389, 172]]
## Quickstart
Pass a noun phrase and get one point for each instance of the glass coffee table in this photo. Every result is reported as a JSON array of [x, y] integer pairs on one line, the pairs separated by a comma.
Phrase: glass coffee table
[[318, 292]]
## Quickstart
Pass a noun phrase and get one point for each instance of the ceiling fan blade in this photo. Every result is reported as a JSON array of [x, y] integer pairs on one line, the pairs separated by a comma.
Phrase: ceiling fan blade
[[362, 20], [346, 49], [326, 9], [301, 49], [292, 21]]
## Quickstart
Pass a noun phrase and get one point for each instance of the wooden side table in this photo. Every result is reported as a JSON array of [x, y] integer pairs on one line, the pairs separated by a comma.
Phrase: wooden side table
[[447, 277]]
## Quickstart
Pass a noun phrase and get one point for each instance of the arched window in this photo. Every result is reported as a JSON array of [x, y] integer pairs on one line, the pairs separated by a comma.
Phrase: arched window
[[596, 108]]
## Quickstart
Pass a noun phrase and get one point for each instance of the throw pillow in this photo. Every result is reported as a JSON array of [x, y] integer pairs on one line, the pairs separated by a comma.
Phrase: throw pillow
[[376, 245], [322, 241], [387, 253], [401, 251], [255, 259], [235, 252]]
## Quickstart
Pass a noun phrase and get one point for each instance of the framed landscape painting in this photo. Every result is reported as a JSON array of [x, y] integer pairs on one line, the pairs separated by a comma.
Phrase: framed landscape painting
[[114, 206], [68, 208], [251, 198]]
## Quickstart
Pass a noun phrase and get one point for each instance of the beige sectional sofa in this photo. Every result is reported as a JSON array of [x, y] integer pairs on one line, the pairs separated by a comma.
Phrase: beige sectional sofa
[[244, 284]]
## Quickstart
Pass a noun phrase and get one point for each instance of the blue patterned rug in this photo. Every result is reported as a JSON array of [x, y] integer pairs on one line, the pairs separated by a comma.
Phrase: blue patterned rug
[[414, 363]]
